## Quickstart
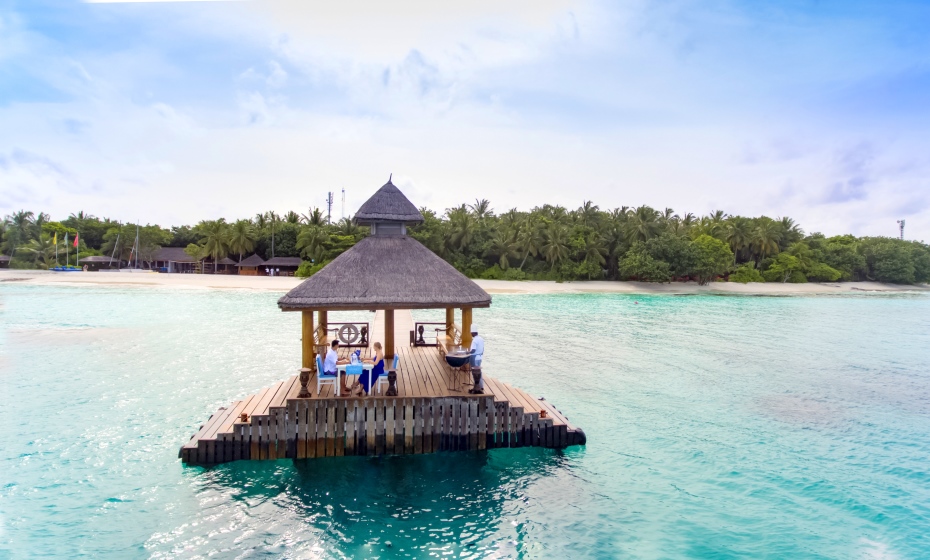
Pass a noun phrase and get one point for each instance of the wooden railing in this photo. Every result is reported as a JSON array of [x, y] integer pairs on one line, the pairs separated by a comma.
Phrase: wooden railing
[[421, 335]]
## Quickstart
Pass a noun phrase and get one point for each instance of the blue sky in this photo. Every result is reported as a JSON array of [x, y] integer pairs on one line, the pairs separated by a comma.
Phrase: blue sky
[[172, 112]]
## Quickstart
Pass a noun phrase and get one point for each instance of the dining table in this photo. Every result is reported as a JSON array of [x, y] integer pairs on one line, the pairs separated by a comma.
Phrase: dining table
[[341, 368]]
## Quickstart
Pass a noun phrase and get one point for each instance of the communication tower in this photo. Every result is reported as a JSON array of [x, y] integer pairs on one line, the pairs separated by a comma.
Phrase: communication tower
[[901, 228], [329, 207]]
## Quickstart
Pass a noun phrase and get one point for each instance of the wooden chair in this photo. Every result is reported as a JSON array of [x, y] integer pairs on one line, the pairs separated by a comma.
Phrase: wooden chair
[[323, 378]]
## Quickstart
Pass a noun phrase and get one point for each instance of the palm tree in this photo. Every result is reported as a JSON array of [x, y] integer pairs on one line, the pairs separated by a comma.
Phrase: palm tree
[[42, 249], [790, 231], [292, 217], [555, 248], [20, 228], [462, 228], [503, 247], [481, 209], [242, 237], [260, 221], [311, 242], [595, 249], [215, 239], [588, 214], [529, 237], [314, 217], [765, 238], [347, 227], [738, 234], [643, 224], [271, 218]]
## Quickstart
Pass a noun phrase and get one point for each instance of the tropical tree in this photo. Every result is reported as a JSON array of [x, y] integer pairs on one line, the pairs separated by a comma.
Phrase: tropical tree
[[215, 239], [738, 233], [588, 214], [503, 248], [713, 258], [311, 242], [765, 238], [20, 227], [481, 209], [462, 228], [242, 237], [292, 217], [643, 224], [42, 250], [555, 247], [314, 217]]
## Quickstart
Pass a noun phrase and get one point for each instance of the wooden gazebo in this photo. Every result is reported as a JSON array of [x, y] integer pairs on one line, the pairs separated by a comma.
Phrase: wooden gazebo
[[428, 410], [387, 270]]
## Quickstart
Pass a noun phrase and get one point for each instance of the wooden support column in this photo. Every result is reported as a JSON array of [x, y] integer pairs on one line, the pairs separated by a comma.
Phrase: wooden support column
[[323, 320], [308, 347], [450, 319], [466, 327], [388, 334]]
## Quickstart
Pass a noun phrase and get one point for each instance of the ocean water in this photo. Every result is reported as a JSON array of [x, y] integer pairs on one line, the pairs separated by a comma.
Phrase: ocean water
[[718, 427]]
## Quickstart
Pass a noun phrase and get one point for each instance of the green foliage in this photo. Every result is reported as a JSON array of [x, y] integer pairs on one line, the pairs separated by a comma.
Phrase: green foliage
[[746, 273], [182, 236], [679, 252], [820, 272], [122, 238], [713, 258], [308, 269], [888, 260], [784, 268], [638, 264]]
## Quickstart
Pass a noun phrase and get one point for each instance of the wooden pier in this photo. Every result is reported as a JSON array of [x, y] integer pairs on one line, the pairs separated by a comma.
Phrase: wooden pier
[[431, 412]]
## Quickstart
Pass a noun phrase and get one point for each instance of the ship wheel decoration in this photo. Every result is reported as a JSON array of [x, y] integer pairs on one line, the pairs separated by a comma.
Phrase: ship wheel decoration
[[348, 334]]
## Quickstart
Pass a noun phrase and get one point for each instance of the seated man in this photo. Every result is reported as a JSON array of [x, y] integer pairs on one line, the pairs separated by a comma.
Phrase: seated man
[[332, 360]]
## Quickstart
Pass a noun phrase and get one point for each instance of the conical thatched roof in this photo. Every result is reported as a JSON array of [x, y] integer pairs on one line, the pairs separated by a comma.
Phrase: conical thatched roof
[[386, 272], [388, 204], [252, 260]]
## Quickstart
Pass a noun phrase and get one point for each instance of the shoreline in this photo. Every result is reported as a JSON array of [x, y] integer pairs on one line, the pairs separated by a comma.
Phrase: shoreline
[[285, 283]]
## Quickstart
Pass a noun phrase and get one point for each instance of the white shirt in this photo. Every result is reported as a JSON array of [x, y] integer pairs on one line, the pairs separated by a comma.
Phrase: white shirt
[[329, 365], [477, 348]]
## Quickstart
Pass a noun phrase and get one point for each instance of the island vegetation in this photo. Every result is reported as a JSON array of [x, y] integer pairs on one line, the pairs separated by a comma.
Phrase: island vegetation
[[545, 243]]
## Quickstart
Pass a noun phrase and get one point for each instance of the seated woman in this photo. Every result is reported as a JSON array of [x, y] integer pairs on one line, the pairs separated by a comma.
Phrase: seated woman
[[370, 377]]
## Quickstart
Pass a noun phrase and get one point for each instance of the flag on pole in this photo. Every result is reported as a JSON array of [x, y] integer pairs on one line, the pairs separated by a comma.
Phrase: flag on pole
[[76, 239], [55, 239]]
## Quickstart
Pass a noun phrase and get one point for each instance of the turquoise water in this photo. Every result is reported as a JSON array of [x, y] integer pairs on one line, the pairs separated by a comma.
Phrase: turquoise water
[[718, 427]]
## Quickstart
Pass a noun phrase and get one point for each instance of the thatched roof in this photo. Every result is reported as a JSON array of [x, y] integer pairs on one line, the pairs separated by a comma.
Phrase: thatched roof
[[382, 272], [173, 254], [283, 261], [226, 261], [5, 258], [98, 259], [388, 204], [253, 260]]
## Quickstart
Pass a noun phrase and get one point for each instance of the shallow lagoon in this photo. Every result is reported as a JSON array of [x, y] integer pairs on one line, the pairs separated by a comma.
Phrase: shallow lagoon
[[718, 427]]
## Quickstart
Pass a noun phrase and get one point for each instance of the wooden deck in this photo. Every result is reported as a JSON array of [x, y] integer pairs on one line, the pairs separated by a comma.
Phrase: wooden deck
[[431, 412]]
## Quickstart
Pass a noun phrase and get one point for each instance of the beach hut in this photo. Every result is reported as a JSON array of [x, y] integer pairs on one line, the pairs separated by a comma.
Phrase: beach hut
[[280, 266], [97, 262], [5, 261], [226, 266], [174, 259], [249, 266], [427, 407]]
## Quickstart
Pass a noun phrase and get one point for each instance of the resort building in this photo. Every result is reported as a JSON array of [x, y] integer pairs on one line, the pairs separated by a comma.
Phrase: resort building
[[428, 400], [5, 261], [249, 266], [281, 266], [97, 262], [174, 259]]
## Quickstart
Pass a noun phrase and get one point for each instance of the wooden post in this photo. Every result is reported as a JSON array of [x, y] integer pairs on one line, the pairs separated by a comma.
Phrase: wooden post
[[466, 327], [308, 354], [323, 320], [388, 334], [450, 319]]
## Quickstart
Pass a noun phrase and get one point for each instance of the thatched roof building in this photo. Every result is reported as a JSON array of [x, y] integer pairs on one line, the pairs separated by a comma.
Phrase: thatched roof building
[[387, 270], [252, 261]]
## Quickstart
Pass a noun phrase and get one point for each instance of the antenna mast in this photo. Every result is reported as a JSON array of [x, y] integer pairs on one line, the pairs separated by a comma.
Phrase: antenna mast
[[329, 207], [901, 229], [343, 203]]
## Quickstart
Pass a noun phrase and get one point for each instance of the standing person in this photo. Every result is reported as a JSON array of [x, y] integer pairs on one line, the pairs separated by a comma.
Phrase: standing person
[[477, 352]]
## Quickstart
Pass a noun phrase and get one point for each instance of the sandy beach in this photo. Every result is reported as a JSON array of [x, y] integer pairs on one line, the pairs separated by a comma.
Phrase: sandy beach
[[283, 284]]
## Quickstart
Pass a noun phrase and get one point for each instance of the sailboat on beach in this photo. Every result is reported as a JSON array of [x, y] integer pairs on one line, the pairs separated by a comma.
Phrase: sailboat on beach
[[134, 257]]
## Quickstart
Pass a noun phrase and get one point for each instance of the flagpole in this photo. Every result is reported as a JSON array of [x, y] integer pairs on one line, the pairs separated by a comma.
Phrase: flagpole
[[66, 249]]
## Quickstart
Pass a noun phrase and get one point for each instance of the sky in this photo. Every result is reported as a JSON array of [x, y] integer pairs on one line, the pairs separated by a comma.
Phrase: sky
[[175, 112]]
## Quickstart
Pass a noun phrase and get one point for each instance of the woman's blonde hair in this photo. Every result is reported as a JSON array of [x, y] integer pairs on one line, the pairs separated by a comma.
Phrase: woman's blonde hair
[[377, 345]]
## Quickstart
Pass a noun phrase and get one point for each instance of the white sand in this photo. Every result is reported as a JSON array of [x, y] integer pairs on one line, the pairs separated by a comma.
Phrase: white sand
[[284, 283]]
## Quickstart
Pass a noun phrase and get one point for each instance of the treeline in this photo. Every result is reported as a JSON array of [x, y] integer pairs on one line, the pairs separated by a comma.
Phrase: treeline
[[545, 243]]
